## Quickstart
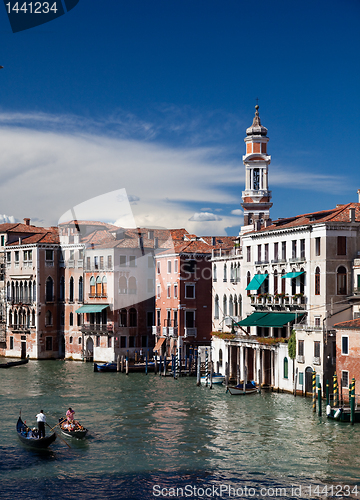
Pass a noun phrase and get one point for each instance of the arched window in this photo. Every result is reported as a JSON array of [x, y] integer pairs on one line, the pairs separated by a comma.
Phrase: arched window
[[275, 282], [248, 279], [30, 292], [132, 285], [317, 281], [231, 273], [17, 292], [122, 285], [10, 318], [15, 318], [216, 308], [71, 319], [283, 281], [240, 306], [123, 317], [286, 368], [224, 306], [98, 286], [33, 318], [12, 291], [21, 292], [48, 318], [34, 291], [225, 272], [220, 357], [81, 289], [71, 289], [132, 317], [62, 318], [341, 281], [8, 290], [104, 287], [302, 281], [92, 286], [293, 284], [26, 293], [214, 273], [231, 306], [49, 290], [265, 286], [20, 317], [62, 289], [236, 310]]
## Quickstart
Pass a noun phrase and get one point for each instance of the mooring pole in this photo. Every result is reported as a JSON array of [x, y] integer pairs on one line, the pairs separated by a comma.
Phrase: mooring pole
[[122, 363], [211, 374], [327, 393], [127, 367], [319, 399], [352, 405], [335, 391], [198, 368], [314, 391], [146, 363], [226, 374], [206, 367], [118, 363], [164, 365]]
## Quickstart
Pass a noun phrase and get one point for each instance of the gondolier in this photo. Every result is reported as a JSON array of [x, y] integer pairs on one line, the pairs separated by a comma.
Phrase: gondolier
[[41, 419]]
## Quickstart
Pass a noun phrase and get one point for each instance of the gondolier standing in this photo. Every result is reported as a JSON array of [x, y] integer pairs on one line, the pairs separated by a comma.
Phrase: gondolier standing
[[41, 419]]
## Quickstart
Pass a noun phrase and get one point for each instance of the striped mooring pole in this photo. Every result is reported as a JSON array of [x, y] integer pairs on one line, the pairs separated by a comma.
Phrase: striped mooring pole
[[206, 367], [352, 403], [335, 391], [177, 363], [314, 391]]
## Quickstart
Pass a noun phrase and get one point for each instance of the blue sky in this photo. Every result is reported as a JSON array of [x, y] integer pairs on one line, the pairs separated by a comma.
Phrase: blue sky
[[155, 97]]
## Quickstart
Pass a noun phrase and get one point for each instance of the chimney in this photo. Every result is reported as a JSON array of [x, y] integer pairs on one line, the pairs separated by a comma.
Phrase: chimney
[[352, 214], [27, 222], [268, 222]]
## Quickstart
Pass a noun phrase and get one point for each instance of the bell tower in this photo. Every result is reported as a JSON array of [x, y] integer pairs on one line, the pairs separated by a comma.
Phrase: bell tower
[[256, 197]]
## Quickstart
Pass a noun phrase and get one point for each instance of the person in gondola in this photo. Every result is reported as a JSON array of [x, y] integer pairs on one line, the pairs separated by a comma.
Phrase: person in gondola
[[70, 416], [41, 419]]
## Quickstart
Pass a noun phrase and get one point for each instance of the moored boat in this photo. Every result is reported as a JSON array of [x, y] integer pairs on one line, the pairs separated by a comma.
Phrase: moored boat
[[342, 414], [26, 436], [217, 378], [238, 390], [9, 364], [74, 430]]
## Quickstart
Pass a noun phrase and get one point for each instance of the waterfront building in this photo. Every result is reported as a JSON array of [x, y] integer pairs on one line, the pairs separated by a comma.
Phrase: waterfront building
[[347, 354]]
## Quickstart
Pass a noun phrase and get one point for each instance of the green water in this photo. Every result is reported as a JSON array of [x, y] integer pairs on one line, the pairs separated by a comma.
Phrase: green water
[[161, 429]]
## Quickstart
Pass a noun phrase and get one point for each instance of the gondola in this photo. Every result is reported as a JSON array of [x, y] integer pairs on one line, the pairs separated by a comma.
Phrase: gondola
[[217, 378], [75, 433], [33, 442], [9, 364], [238, 390]]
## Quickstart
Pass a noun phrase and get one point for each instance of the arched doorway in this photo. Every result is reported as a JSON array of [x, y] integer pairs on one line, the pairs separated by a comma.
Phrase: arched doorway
[[89, 352], [308, 379]]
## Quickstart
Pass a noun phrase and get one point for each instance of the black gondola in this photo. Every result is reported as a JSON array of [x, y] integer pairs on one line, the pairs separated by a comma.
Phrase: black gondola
[[34, 442]]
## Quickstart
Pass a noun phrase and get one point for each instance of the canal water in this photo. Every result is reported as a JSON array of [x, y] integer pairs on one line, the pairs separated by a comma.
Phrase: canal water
[[155, 437]]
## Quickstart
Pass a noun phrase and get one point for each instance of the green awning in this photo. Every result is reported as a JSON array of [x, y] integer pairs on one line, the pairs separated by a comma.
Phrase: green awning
[[292, 275], [252, 319], [92, 308], [256, 282], [273, 319]]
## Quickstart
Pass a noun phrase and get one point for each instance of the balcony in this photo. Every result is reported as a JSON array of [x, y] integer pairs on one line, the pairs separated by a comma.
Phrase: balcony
[[21, 328], [278, 261], [190, 332], [97, 329], [156, 330], [300, 359], [316, 360], [170, 331]]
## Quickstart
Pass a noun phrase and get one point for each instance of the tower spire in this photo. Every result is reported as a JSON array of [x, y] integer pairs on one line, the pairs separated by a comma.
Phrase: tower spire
[[256, 197]]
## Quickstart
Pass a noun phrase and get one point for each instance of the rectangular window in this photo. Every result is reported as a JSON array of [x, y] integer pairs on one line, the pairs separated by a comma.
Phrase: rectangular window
[[70, 340], [149, 319], [158, 267], [88, 263], [266, 252], [17, 257], [122, 260], [175, 266], [131, 341], [101, 262], [344, 345], [276, 251], [96, 262], [302, 249], [189, 319], [109, 341], [341, 245], [150, 286], [317, 246], [158, 291], [123, 341], [27, 255], [79, 340], [345, 379], [72, 254], [175, 291], [189, 291], [49, 256], [109, 261], [8, 257], [2, 240], [168, 291], [248, 254], [158, 317], [259, 253], [81, 253], [48, 343], [300, 348], [293, 246], [283, 250], [317, 321], [169, 266], [175, 319], [98, 340], [132, 261], [144, 340], [11, 343], [316, 349], [168, 317]]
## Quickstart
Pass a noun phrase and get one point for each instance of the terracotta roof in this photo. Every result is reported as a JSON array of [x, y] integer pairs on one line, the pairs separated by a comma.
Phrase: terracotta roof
[[352, 324], [21, 228], [339, 214], [49, 237]]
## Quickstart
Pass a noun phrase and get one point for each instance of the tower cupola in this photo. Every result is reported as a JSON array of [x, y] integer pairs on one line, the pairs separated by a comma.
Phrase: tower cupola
[[256, 197]]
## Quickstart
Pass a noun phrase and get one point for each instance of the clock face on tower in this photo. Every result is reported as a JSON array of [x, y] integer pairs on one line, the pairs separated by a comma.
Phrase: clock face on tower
[[256, 179]]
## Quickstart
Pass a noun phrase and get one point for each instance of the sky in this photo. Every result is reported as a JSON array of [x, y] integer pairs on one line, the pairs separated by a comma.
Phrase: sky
[[154, 97]]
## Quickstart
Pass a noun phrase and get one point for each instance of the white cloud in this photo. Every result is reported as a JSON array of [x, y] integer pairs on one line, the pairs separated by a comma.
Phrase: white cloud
[[7, 218], [237, 212], [204, 217]]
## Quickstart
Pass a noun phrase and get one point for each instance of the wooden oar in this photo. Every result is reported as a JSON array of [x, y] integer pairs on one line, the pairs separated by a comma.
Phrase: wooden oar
[[52, 428], [67, 444]]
